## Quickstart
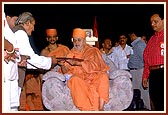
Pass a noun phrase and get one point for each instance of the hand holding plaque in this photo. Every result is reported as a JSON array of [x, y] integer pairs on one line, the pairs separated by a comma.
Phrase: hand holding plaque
[[71, 61]]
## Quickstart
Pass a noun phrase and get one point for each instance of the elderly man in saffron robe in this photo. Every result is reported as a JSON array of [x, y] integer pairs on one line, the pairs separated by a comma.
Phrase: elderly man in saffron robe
[[89, 83]]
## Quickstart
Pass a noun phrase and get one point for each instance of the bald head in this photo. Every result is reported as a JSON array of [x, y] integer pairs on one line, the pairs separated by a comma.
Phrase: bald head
[[157, 22]]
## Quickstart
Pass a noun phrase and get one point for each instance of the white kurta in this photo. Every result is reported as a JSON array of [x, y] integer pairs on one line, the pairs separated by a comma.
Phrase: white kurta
[[22, 42], [10, 77], [122, 56]]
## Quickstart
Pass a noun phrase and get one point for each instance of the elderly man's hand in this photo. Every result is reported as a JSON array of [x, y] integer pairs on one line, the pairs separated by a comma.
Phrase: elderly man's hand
[[73, 62], [23, 62], [54, 60]]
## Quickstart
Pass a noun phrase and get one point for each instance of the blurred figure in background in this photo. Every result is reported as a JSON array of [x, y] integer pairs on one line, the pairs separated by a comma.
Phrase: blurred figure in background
[[108, 51], [123, 52], [136, 66], [143, 37]]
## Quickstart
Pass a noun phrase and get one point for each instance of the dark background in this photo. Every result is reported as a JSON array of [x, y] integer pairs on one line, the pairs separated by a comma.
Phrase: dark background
[[112, 19]]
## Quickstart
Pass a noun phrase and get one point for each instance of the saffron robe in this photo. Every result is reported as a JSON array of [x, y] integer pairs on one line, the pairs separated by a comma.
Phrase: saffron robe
[[90, 81]]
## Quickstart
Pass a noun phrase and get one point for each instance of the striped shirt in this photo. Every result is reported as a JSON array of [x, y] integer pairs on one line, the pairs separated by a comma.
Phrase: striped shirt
[[154, 52]]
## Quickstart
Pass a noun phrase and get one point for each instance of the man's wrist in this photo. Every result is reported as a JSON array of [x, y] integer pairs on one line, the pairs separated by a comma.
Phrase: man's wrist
[[10, 52]]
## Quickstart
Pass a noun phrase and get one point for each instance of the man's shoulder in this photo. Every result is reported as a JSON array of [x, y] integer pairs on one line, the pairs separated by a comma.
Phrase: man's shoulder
[[61, 45], [20, 32], [127, 45], [44, 51], [117, 48], [90, 49], [142, 42]]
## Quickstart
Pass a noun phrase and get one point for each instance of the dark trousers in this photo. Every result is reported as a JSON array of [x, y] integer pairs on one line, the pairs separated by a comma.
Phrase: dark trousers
[[156, 88]]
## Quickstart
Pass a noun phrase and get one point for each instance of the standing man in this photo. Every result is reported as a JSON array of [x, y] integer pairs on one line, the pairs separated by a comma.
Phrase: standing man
[[123, 52], [136, 66], [10, 76], [23, 29], [154, 63], [53, 48]]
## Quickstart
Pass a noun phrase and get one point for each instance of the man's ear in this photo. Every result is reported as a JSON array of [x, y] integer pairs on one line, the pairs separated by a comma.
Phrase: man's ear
[[103, 44], [47, 38], [126, 39]]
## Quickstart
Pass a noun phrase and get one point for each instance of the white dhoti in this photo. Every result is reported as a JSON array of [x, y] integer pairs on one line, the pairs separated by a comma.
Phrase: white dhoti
[[10, 87]]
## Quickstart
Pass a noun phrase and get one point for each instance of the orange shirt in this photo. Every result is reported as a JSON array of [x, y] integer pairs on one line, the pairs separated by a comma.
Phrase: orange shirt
[[60, 51]]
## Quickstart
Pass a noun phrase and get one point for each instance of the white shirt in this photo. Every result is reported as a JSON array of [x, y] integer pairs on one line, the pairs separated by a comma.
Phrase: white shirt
[[112, 56], [22, 42], [122, 56]]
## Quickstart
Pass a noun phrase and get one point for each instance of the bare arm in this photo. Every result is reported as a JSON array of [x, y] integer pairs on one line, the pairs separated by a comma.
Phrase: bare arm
[[8, 46]]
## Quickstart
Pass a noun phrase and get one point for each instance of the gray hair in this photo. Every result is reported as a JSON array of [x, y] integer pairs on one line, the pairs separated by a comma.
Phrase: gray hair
[[24, 17]]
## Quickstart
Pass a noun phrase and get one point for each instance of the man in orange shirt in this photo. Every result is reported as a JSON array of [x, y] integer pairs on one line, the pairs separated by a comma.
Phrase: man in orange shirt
[[58, 50], [89, 81]]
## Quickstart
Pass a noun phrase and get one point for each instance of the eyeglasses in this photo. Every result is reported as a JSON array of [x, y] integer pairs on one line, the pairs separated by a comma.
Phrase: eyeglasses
[[77, 39], [49, 37]]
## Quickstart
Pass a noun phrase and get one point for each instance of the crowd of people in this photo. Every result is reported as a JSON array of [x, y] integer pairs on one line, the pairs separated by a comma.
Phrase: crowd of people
[[90, 79]]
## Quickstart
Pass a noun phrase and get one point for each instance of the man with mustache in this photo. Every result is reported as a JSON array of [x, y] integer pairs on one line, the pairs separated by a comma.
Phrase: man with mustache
[[58, 50], [153, 74], [108, 51], [123, 52]]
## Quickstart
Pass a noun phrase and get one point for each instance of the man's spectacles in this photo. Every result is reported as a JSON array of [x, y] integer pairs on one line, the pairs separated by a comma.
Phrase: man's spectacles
[[77, 39]]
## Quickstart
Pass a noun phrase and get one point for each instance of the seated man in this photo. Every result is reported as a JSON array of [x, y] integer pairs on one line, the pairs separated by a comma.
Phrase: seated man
[[108, 51], [89, 83]]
